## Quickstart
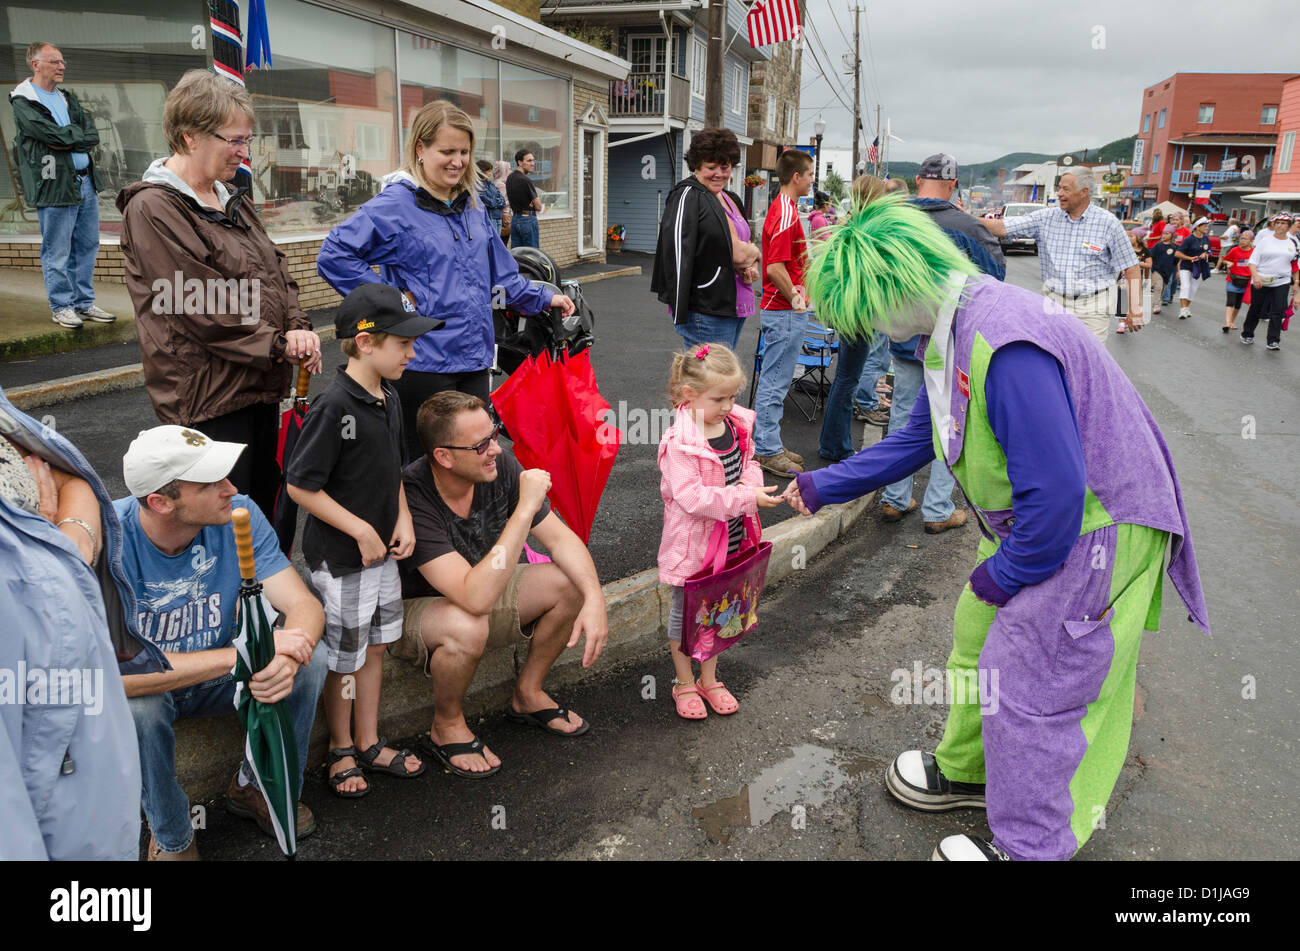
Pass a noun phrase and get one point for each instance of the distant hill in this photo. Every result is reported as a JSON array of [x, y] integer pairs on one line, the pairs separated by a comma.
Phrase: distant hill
[[986, 173]]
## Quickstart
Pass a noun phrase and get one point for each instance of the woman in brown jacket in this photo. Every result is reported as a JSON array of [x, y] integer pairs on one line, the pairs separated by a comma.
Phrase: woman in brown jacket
[[217, 314]]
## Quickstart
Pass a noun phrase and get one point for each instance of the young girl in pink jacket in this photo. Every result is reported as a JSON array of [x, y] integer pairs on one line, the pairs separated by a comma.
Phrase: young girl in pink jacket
[[707, 474]]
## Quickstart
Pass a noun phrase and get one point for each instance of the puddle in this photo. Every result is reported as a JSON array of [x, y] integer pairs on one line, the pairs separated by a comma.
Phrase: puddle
[[807, 778], [871, 703]]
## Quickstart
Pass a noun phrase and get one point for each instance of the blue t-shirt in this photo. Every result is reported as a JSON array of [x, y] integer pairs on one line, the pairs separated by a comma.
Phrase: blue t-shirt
[[58, 107], [187, 602]]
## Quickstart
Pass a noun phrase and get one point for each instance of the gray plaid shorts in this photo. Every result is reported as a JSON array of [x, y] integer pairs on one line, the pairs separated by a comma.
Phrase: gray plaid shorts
[[361, 609]]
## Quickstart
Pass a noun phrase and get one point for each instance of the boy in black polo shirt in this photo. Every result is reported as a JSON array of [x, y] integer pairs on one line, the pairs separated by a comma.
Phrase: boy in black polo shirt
[[347, 473]]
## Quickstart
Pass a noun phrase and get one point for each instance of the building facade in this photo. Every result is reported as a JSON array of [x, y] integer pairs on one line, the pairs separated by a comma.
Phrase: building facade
[[1284, 184], [659, 105], [1225, 122], [331, 114]]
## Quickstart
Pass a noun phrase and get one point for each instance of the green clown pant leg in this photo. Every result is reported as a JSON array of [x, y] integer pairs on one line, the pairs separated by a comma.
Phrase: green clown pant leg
[[1060, 660]]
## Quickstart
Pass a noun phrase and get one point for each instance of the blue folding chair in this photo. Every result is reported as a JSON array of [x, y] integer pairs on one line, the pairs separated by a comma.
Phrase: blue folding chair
[[809, 390]]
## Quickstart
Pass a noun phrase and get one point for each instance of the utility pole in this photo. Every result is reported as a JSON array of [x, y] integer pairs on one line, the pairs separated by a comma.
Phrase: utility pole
[[715, 65], [857, 85], [880, 150]]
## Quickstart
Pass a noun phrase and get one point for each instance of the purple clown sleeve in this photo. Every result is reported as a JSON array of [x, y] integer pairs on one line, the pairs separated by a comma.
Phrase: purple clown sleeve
[[899, 454], [1032, 416]]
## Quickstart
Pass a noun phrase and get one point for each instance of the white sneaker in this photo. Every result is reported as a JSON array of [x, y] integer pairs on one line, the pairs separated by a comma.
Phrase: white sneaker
[[967, 848], [67, 317], [97, 313]]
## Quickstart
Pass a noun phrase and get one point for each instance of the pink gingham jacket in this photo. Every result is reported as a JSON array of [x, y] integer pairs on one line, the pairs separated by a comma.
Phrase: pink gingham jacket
[[694, 493]]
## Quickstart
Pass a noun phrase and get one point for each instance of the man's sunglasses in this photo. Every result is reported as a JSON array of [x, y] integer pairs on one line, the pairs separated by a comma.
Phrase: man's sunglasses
[[481, 446]]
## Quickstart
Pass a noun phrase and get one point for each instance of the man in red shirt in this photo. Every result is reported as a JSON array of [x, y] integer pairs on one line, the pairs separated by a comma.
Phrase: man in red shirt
[[784, 309]]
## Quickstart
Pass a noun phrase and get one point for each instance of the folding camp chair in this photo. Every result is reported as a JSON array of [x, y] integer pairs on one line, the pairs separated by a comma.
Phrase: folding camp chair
[[811, 386]]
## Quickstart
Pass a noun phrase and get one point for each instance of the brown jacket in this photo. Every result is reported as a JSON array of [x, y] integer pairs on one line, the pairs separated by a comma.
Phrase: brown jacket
[[206, 352]]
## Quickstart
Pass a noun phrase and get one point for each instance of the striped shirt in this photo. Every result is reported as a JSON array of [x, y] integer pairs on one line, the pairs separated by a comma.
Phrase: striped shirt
[[1077, 256], [727, 446]]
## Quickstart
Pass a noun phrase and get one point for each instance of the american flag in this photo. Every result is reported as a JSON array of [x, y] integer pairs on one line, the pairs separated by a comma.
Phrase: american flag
[[771, 21], [873, 150]]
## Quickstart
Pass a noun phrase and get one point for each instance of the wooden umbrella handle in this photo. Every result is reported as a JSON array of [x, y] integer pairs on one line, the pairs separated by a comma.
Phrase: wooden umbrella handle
[[304, 381], [244, 543]]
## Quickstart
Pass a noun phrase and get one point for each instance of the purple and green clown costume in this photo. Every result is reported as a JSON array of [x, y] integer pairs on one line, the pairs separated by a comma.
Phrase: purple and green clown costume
[[1076, 495]]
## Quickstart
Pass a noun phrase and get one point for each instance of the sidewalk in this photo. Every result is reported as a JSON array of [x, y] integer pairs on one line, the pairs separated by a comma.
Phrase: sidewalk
[[27, 328]]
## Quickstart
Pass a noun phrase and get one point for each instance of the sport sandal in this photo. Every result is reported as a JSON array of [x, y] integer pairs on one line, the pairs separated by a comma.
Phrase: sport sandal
[[336, 780], [722, 703], [396, 766]]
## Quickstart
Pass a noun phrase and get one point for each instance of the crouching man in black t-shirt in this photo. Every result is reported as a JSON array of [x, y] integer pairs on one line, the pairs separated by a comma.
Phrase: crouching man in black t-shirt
[[473, 507]]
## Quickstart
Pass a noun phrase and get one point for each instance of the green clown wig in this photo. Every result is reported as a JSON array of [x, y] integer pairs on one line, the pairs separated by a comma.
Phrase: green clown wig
[[888, 257]]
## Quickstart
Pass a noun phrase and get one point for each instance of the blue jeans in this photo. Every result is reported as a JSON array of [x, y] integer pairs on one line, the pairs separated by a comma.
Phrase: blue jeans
[[165, 804], [937, 505], [837, 427], [783, 333], [523, 231], [1171, 282], [705, 328], [69, 242], [877, 365]]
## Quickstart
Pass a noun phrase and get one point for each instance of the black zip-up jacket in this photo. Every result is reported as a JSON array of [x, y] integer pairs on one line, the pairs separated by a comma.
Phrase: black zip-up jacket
[[693, 270]]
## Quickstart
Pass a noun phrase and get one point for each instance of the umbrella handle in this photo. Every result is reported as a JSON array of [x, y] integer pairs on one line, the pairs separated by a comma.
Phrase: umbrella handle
[[243, 543], [304, 381]]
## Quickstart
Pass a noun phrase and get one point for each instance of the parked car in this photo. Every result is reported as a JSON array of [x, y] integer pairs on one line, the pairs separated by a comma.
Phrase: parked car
[[1215, 236], [1015, 210]]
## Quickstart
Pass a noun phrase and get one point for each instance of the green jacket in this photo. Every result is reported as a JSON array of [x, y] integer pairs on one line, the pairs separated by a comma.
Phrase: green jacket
[[53, 185]]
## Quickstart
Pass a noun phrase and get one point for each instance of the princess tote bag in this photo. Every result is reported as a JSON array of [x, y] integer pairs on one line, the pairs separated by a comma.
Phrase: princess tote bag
[[720, 603]]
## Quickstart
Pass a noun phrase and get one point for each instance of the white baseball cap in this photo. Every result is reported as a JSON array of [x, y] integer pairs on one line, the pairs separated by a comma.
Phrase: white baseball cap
[[1199, 222], [159, 455]]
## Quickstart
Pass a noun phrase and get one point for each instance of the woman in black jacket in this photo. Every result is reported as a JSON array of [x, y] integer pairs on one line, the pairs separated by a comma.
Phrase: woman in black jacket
[[705, 262]]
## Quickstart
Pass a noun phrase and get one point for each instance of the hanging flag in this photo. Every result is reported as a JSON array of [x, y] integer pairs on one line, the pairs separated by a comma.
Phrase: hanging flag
[[873, 150], [227, 44], [259, 40], [772, 21]]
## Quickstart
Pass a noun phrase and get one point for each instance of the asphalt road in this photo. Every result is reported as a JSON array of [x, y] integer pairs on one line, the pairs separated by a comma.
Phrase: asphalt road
[[796, 773]]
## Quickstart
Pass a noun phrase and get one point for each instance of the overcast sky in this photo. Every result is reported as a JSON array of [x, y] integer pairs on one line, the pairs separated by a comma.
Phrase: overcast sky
[[983, 79]]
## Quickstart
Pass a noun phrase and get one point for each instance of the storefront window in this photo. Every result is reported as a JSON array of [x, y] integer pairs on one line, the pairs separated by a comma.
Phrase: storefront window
[[432, 70], [122, 58], [535, 116], [326, 129]]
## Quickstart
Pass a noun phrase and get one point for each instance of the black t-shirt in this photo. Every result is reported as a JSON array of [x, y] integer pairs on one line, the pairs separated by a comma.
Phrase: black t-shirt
[[439, 530], [520, 192], [350, 446]]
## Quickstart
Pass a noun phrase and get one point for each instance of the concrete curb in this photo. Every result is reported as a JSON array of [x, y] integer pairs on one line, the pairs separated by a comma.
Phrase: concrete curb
[[85, 385], [208, 749]]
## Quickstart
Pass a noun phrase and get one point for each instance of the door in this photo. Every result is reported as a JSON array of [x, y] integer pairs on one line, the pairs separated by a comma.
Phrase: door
[[589, 141]]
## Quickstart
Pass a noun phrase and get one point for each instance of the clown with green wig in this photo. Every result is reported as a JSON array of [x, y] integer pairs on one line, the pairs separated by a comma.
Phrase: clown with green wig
[[1082, 516]]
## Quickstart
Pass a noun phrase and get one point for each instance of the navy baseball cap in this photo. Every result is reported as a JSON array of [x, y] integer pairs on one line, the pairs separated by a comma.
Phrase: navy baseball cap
[[381, 308], [941, 166]]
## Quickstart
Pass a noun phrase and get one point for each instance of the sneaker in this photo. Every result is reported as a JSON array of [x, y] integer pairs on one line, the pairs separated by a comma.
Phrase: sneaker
[[968, 848], [798, 459], [1184, 314], [1121, 328], [1245, 339], [98, 314], [1274, 346], [956, 520], [247, 802], [67, 317], [156, 854], [779, 465], [915, 780], [891, 514]]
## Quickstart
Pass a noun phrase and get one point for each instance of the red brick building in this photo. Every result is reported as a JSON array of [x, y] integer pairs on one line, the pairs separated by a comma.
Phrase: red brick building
[[1284, 186], [1226, 122]]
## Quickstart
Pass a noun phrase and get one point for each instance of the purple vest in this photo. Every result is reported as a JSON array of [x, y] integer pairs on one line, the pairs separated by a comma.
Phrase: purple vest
[[1128, 465]]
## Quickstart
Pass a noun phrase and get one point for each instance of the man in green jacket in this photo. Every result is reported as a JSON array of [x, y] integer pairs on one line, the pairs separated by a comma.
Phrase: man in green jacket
[[55, 137]]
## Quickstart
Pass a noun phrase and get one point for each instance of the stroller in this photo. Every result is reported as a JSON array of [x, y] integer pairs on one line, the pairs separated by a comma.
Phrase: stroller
[[519, 336]]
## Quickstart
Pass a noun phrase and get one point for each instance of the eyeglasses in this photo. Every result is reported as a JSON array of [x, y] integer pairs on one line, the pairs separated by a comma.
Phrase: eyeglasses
[[481, 446], [234, 143], [52, 62]]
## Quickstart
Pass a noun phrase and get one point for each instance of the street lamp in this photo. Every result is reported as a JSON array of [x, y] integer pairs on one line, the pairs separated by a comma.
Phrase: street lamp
[[1196, 184], [819, 127]]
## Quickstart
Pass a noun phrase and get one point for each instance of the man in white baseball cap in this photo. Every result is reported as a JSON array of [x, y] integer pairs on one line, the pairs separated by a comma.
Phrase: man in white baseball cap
[[179, 557]]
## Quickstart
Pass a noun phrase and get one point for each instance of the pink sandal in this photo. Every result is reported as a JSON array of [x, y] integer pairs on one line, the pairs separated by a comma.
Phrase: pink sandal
[[724, 703], [689, 705]]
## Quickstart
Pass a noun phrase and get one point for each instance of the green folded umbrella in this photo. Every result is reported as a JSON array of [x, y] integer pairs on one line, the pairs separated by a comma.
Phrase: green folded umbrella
[[270, 749]]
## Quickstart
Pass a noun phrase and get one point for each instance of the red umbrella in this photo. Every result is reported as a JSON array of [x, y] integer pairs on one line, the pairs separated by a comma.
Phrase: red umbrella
[[285, 515], [554, 411]]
